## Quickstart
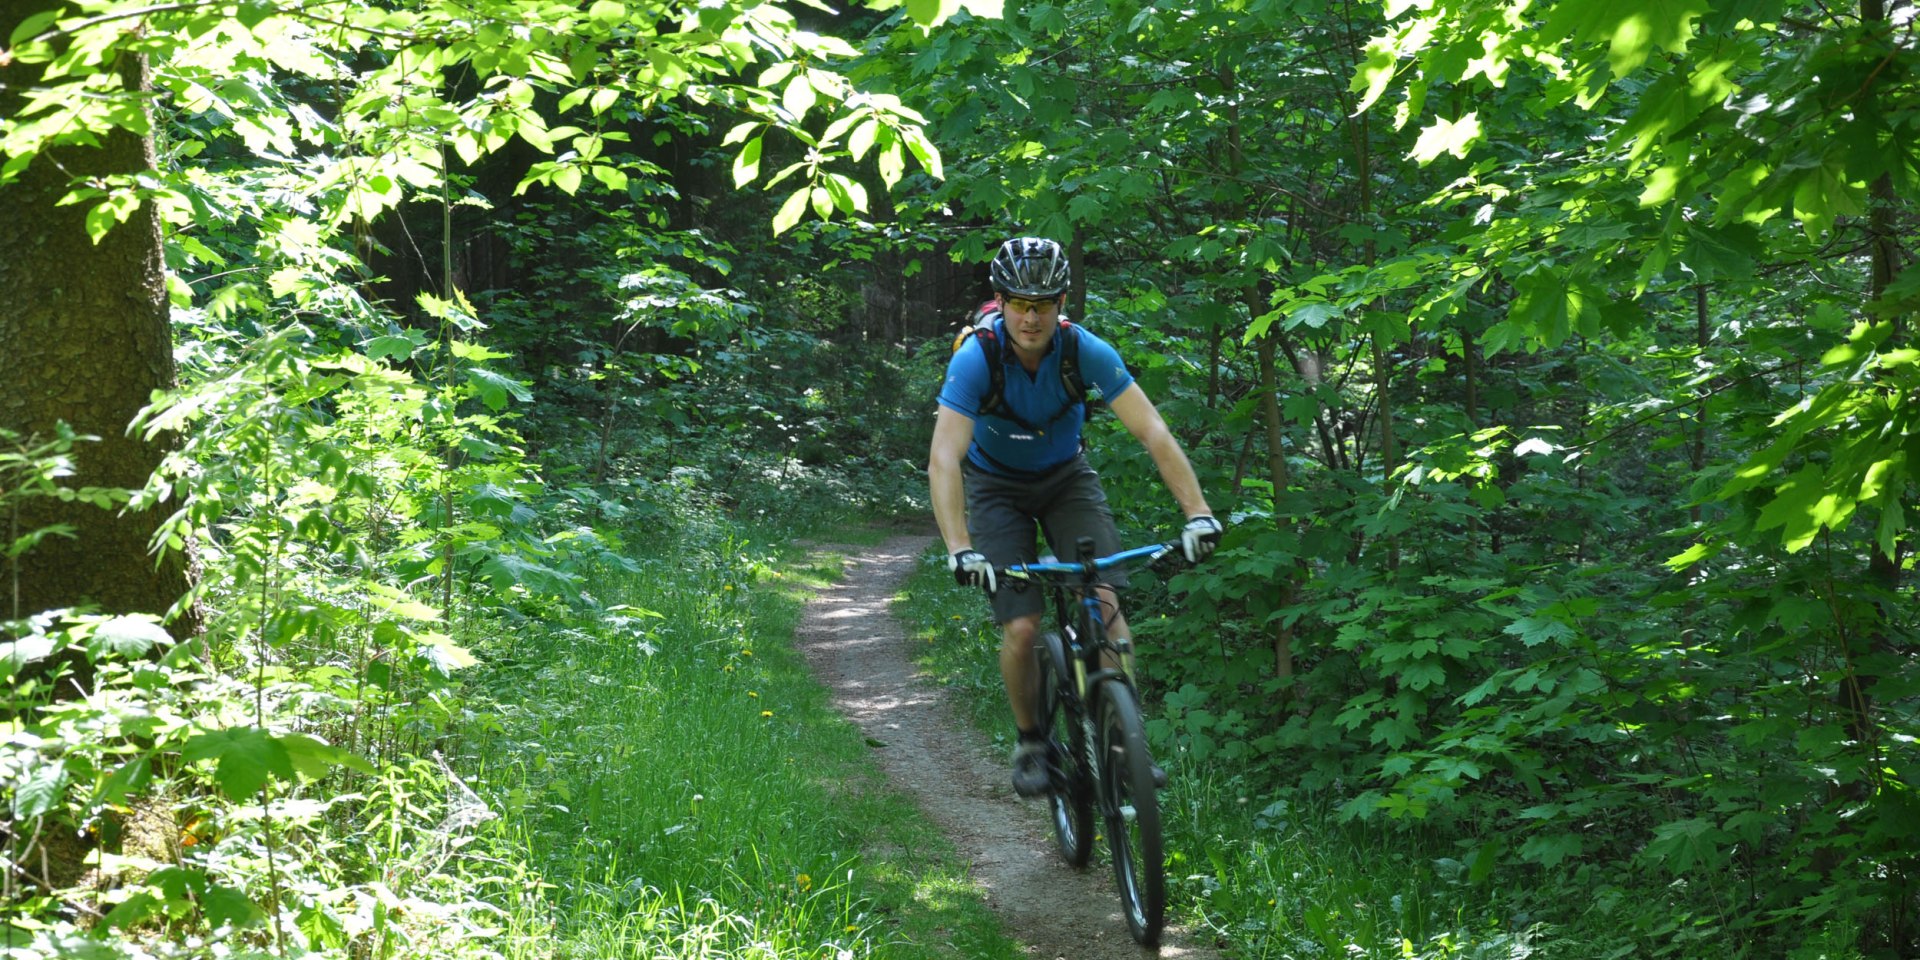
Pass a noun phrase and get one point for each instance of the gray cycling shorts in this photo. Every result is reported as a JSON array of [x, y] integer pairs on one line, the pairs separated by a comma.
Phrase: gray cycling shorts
[[1064, 504]]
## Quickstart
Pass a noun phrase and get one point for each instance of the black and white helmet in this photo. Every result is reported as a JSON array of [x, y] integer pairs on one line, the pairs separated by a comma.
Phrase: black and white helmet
[[1031, 267]]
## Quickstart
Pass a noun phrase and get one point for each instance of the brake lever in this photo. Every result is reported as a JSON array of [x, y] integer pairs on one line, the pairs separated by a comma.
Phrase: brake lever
[[1170, 557]]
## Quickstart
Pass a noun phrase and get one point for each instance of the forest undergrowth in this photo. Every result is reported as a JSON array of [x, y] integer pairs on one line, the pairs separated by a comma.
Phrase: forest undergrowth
[[1278, 872], [570, 724]]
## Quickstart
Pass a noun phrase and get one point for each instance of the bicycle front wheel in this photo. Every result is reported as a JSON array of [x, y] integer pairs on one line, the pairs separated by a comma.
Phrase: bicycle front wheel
[[1070, 800], [1131, 808]]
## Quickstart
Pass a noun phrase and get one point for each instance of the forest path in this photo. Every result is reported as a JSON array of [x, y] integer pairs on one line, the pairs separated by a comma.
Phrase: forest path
[[859, 650]]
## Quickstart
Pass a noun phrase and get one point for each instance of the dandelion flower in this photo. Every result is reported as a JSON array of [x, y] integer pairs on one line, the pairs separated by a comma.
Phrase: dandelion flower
[[805, 882], [746, 653], [752, 694], [766, 713]]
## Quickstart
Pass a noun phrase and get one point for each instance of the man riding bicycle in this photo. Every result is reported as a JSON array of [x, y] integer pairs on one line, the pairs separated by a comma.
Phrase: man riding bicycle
[[1000, 465]]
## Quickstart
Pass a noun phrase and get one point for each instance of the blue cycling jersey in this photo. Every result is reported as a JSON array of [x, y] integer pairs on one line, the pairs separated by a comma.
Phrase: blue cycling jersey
[[1006, 448]]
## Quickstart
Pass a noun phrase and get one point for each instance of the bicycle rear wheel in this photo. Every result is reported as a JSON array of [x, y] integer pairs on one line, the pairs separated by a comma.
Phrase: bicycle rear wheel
[[1070, 800], [1131, 809]]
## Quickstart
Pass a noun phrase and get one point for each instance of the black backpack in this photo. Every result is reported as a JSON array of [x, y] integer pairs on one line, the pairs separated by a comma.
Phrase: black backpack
[[994, 402]]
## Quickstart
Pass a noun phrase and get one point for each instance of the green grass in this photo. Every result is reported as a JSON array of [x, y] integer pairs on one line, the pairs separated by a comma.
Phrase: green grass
[[685, 789]]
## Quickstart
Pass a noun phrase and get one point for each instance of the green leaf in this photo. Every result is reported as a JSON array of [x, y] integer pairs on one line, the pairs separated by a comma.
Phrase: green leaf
[[129, 777], [613, 178], [494, 388], [247, 757], [133, 636], [607, 14], [1680, 845], [924, 12], [397, 348], [1447, 136], [134, 909], [923, 151], [893, 164], [322, 928], [40, 790], [32, 25], [15, 656], [1550, 309], [314, 759], [225, 905], [1534, 631], [790, 212], [799, 97], [1313, 315], [1374, 73], [468, 350], [746, 166], [1802, 506], [1084, 208], [863, 138], [1825, 193], [1631, 29], [1691, 556], [1662, 183], [1548, 850], [445, 655], [1421, 674]]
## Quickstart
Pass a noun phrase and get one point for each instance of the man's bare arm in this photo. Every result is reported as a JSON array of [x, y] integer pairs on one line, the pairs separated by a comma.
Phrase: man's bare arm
[[1142, 419], [952, 434]]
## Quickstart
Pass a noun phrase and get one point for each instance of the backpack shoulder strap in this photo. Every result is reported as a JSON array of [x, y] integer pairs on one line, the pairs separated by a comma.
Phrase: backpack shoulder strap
[[1076, 385], [994, 399]]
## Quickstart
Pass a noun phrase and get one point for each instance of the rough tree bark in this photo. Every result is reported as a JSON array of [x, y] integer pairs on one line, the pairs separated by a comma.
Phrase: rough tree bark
[[84, 339]]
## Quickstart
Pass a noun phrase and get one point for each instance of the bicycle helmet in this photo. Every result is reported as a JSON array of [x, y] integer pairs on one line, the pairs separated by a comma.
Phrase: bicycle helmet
[[1031, 267]]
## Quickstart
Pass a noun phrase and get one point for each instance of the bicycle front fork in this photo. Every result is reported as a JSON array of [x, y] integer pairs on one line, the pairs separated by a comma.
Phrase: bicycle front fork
[[1122, 651]]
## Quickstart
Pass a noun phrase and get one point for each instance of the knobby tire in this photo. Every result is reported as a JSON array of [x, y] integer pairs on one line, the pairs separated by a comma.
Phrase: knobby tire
[[1131, 808]]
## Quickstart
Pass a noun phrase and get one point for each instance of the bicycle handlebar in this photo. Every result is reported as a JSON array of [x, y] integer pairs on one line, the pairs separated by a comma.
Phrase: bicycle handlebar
[[1068, 573]]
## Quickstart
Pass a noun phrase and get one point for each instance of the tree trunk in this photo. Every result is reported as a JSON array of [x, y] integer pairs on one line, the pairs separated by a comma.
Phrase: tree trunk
[[1077, 293], [1255, 298], [85, 340], [1886, 261], [1277, 473]]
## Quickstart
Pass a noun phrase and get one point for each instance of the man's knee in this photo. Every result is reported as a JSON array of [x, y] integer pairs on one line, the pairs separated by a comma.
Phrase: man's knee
[[1017, 634]]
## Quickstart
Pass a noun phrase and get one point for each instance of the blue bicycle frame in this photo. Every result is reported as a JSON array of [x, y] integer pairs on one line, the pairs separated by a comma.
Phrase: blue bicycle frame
[[1082, 576]]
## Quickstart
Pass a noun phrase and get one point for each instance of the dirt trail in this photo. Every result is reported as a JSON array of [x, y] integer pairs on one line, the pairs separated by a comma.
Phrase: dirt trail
[[859, 650]]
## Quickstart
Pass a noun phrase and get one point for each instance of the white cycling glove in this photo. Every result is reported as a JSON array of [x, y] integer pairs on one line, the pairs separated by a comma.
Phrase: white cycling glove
[[971, 569], [1199, 537]]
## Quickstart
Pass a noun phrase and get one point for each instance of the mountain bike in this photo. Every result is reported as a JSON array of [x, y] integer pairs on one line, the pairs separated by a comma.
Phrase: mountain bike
[[1097, 745]]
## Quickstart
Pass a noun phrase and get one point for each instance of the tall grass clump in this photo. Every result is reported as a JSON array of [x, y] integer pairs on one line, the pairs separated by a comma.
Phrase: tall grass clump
[[686, 790]]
